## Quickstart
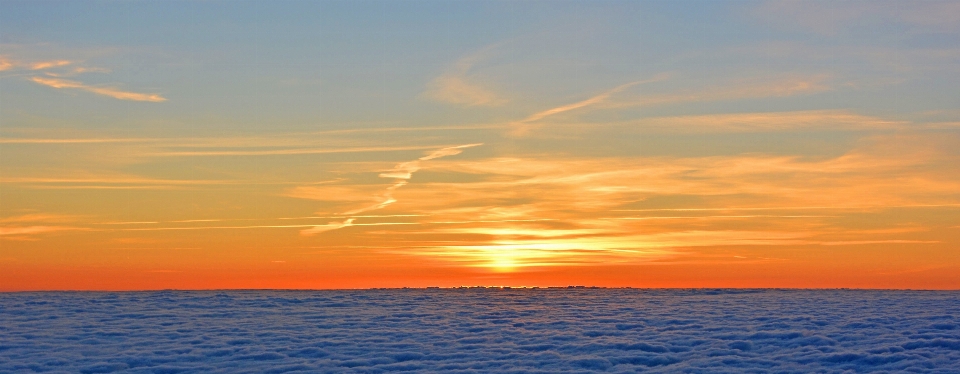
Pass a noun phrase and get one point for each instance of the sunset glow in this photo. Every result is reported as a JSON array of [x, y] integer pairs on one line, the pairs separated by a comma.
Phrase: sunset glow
[[329, 144]]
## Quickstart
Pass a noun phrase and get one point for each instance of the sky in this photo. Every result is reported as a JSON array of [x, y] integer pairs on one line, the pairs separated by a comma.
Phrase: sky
[[359, 144]]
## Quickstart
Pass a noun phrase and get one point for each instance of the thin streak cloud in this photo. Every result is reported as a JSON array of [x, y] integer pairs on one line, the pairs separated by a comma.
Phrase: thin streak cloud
[[105, 91], [789, 208], [714, 217], [411, 129], [49, 64], [736, 90], [128, 223], [324, 228], [591, 101], [248, 219], [522, 127], [259, 226], [40, 217], [301, 151], [33, 230], [118, 180], [404, 171], [894, 241], [72, 141], [769, 121]]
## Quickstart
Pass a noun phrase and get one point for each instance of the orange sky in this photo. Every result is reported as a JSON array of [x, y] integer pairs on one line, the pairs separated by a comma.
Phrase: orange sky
[[340, 145]]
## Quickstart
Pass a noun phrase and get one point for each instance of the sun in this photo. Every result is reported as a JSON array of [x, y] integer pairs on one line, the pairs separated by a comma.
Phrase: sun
[[503, 262]]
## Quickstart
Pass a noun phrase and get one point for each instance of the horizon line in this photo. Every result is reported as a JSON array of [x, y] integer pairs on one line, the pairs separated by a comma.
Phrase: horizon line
[[570, 287]]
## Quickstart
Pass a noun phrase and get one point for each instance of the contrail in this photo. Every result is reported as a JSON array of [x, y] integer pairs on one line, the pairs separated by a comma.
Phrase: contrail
[[404, 171], [323, 228], [523, 126], [401, 174]]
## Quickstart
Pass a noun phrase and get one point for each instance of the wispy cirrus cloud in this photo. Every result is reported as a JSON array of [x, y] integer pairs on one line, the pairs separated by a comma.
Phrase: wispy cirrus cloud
[[33, 230], [110, 182], [401, 174], [39, 217], [735, 90], [404, 171], [543, 211], [273, 140], [25, 226], [885, 172], [757, 122], [769, 121], [5, 64], [331, 226], [784, 178], [106, 91], [41, 65], [580, 104], [296, 151], [740, 89], [457, 89], [524, 126], [459, 86], [523, 212], [50, 73], [72, 140], [324, 228]]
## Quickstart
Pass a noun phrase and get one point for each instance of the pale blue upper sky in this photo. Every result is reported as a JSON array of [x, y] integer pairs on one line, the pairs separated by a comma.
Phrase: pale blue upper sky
[[245, 63]]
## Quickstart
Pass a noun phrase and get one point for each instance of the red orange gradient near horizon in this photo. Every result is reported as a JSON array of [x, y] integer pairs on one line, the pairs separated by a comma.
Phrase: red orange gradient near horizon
[[863, 219]]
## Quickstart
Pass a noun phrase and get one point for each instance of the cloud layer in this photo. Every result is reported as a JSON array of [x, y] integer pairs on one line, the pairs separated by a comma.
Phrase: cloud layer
[[489, 330]]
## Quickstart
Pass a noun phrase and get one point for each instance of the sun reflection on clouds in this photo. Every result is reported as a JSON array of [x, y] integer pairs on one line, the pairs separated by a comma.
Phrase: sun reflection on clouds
[[511, 255], [528, 213], [508, 253]]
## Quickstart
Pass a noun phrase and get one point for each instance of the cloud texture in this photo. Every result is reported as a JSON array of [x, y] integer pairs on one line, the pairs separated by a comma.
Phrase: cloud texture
[[483, 330]]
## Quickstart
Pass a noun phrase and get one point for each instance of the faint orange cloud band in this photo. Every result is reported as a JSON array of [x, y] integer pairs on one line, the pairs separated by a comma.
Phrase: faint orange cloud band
[[106, 91], [49, 64], [32, 230]]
